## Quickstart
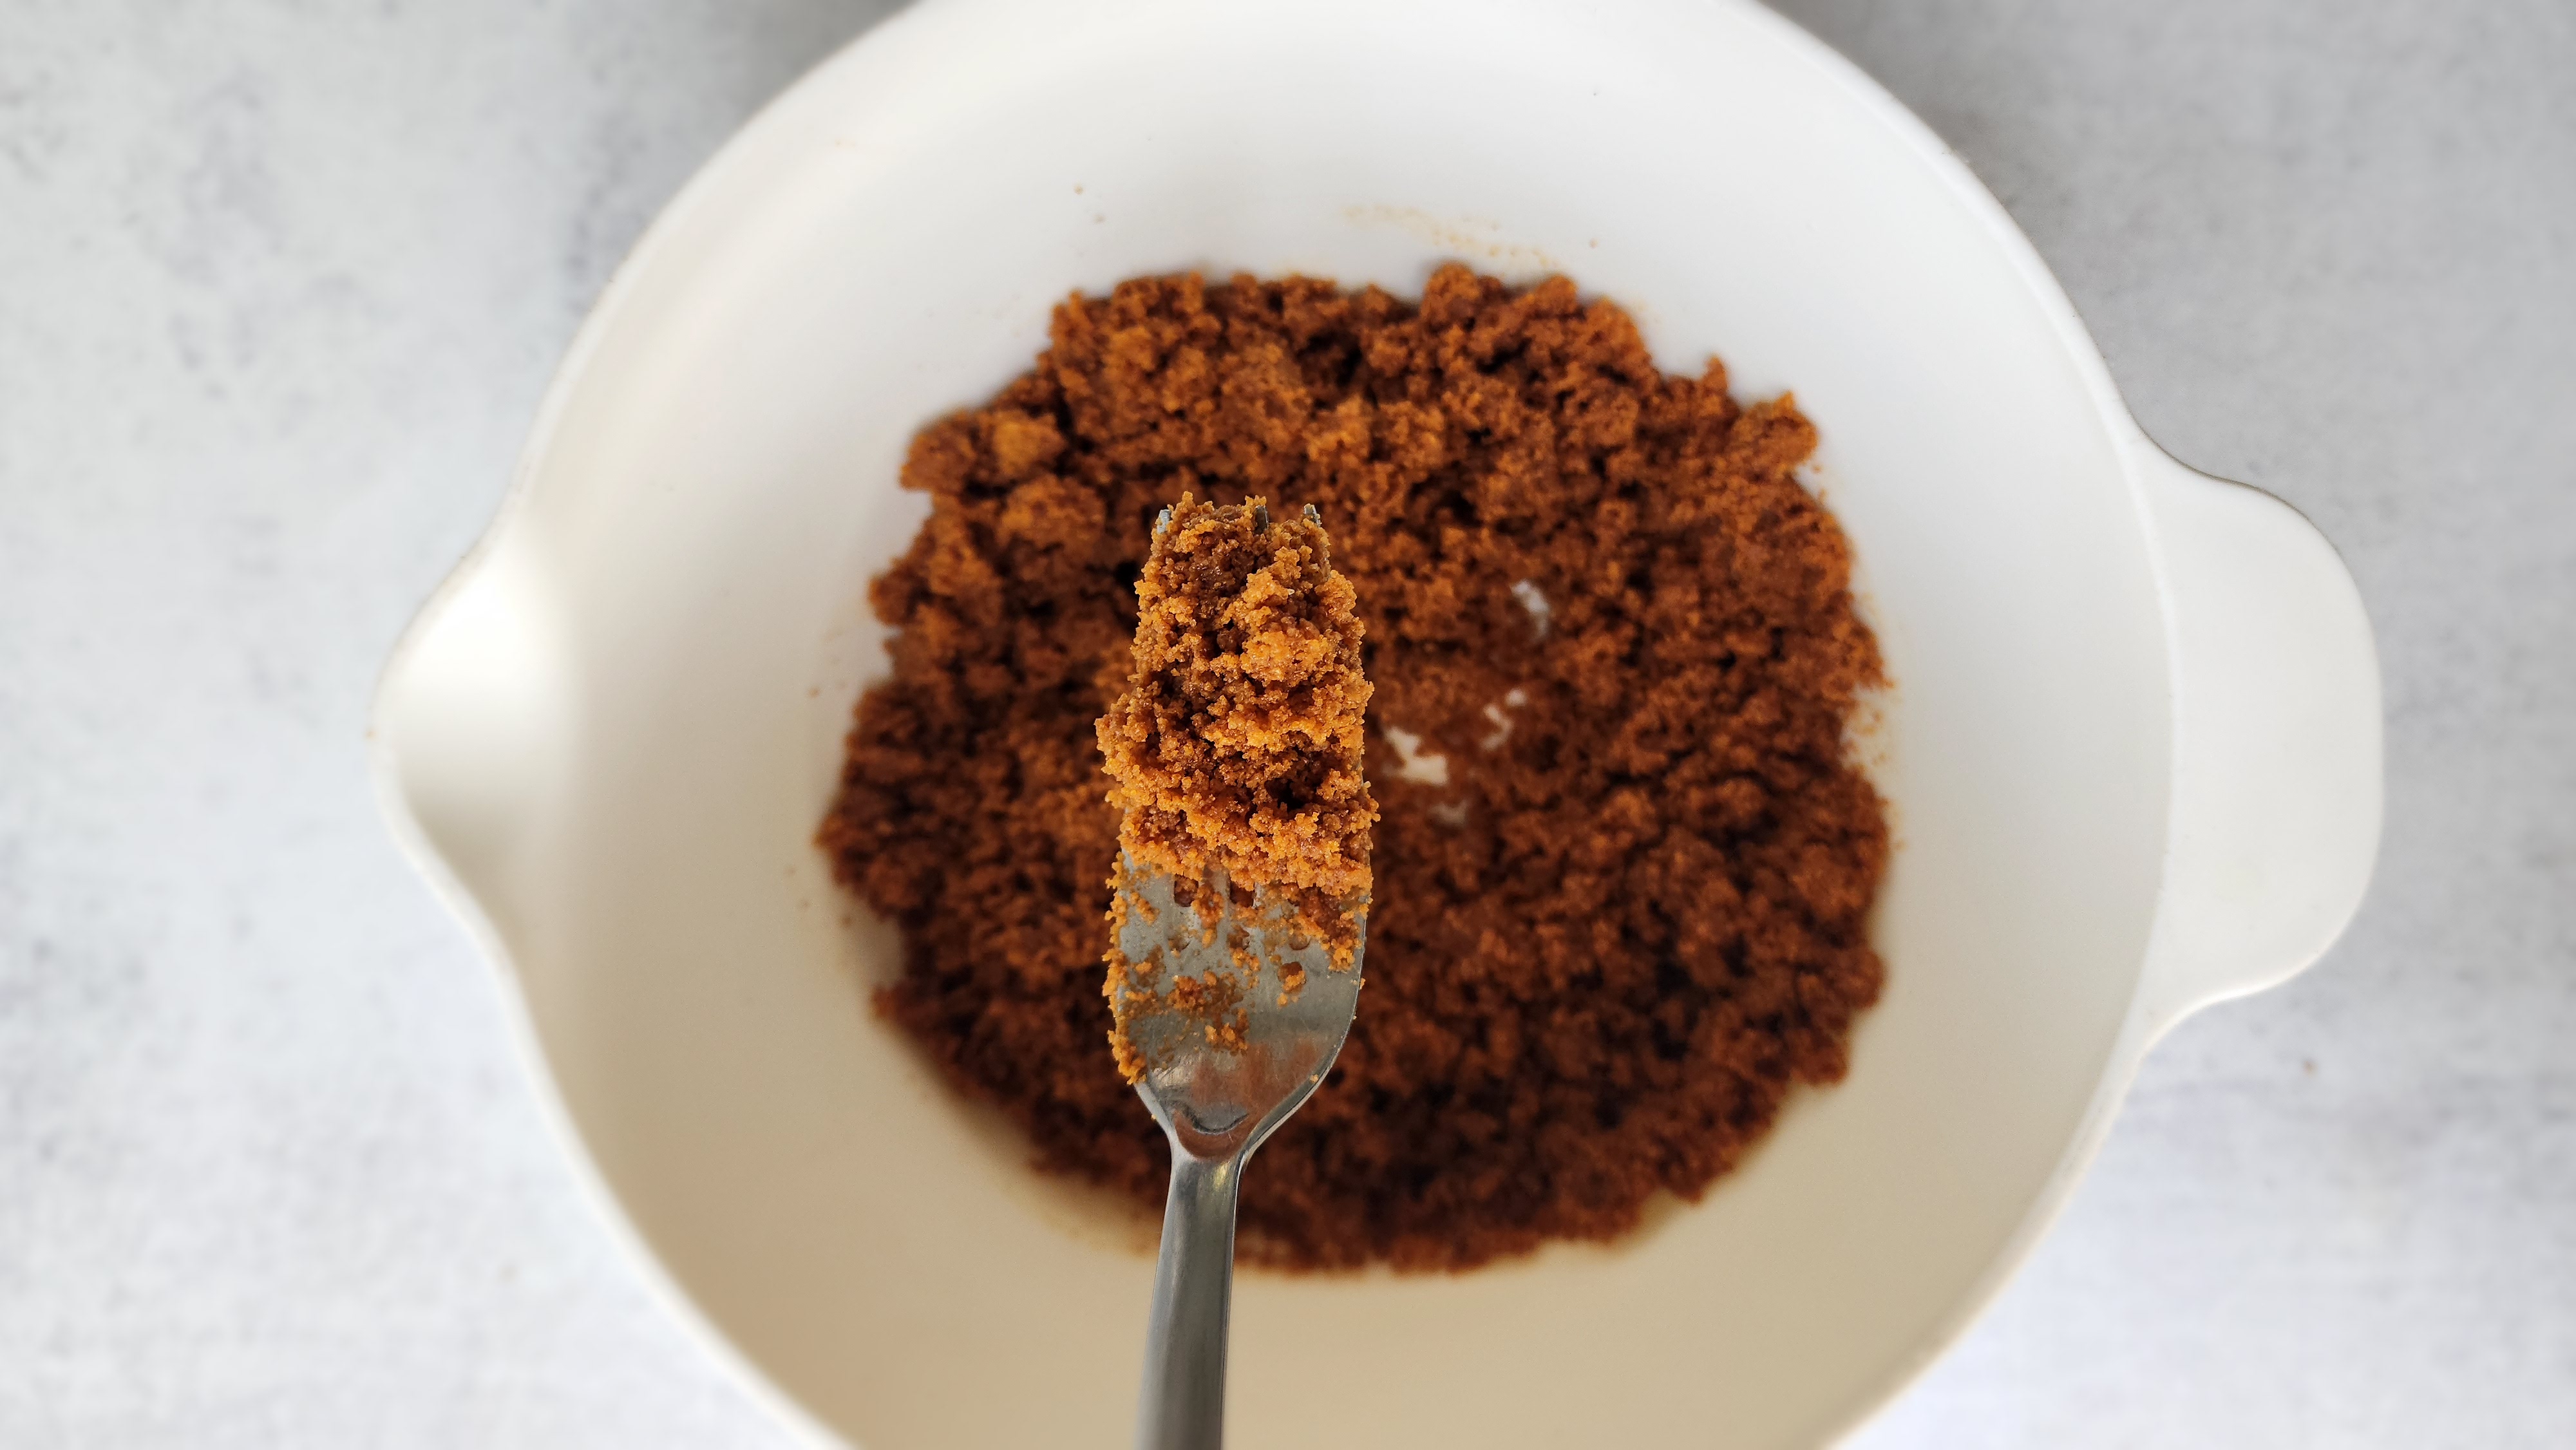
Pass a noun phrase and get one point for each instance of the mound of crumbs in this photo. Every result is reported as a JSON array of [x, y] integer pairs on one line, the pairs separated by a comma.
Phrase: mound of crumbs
[[1234, 753], [1623, 861]]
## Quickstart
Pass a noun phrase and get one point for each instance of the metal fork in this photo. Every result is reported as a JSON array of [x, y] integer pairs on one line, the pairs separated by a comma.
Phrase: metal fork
[[1216, 1102]]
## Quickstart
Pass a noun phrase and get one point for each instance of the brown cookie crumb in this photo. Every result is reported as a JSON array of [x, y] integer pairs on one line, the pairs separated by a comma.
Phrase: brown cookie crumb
[[1234, 752], [1235, 748], [1616, 922]]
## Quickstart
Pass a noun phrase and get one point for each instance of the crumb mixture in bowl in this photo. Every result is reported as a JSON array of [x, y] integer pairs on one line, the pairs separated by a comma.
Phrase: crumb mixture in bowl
[[1623, 862]]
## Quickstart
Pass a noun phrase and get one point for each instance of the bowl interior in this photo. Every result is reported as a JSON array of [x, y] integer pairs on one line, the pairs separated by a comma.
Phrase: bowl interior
[[715, 485]]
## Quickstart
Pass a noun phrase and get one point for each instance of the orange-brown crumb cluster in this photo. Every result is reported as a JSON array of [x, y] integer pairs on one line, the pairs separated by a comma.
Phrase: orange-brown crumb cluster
[[1236, 746], [1234, 752]]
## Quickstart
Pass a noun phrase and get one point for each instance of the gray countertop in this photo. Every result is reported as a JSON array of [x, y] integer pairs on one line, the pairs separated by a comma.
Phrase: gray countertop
[[280, 284]]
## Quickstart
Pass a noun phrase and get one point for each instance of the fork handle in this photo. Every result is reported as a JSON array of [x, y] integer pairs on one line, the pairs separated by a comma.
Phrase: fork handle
[[1183, 1404]]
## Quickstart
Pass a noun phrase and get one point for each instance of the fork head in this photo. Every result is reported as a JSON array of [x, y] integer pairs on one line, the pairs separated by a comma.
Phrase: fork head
[[1230, 1014]]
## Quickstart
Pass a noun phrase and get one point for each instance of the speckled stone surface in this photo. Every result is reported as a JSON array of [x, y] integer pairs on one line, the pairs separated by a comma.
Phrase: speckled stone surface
[[280, 284]]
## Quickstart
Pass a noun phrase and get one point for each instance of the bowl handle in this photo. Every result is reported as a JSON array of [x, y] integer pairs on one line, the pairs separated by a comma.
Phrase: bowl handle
[[472, 717], [2276, 740]]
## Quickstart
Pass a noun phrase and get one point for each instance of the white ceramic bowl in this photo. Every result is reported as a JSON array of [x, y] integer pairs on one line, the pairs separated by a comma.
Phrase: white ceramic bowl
[[2133, 750]]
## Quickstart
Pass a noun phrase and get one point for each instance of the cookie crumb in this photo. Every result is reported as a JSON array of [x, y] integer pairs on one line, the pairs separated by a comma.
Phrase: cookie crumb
[[1601, 954]]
